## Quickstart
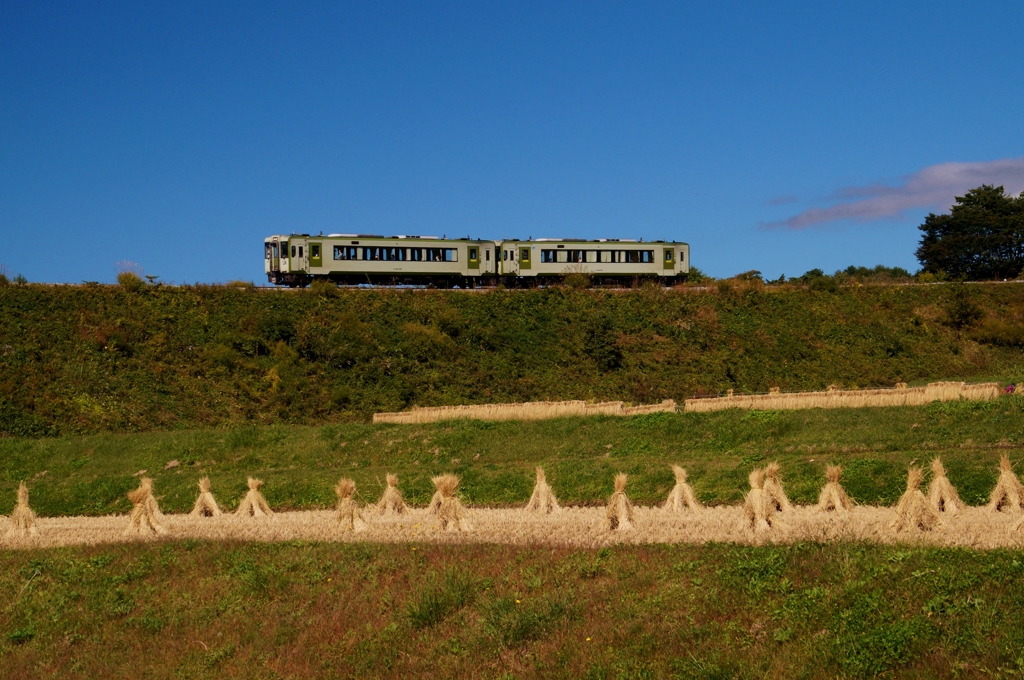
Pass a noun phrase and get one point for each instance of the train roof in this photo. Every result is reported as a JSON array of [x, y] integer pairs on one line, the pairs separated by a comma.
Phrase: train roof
[[401, 237]]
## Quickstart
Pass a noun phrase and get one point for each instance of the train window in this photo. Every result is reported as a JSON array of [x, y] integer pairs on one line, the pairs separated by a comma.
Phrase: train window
[[300, 251], [293, 251], [472, 253], [266, 251], [682, 255], [647, 256], [487, 254], [575, 255], [591, 256], [547, 256], [416, 254], [314, 251], [562, 255], [668, 256], [504, 254], [451, 255], [524, 254], [606, 255]]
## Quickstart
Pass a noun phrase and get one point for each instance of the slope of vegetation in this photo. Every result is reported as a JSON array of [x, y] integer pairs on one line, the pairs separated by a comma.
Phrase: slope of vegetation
[[195, 609], [90, 474], [97, 358]]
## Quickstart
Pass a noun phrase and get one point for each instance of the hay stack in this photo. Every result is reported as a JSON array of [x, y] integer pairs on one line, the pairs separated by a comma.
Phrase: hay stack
[[1008, 496], [941, 494], [620, 511], [254, 505], [23, 520], [391, 502], [914, 511], [681, 498], [206, 505], [543, 499], [758, 508], [773, 489], [349, 514], [449, 511], [833, 497], [145, 516]]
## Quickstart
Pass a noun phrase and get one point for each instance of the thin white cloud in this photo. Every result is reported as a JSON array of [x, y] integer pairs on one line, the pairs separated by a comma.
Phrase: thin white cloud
[[933, 188]]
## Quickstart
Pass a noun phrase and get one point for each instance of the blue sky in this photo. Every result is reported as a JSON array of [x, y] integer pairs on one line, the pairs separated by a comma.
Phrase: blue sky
[[771, 136]]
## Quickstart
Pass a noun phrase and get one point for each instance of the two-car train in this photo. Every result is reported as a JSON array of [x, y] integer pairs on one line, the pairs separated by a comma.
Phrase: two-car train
[[298, 259]]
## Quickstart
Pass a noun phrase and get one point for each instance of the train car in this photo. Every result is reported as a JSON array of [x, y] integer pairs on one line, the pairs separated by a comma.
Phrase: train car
[[606, 261], [297, 259]]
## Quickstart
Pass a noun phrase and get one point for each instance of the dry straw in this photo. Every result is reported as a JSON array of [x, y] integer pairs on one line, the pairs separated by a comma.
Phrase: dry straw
[[349, 514], [535, 410], [145, 515], [23, 520], [757, 507], [391, 502], [941, 493], [450, 512], [619, 516], [914, 511], [254, 505], [773, 489], [543, 500], [206, 505], [1008, 496], [833, 496], [681, 498]]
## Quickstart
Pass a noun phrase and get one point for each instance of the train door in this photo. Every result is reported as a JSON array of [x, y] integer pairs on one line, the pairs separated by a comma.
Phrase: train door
[[487, 258], [275, 255], [510, 259]]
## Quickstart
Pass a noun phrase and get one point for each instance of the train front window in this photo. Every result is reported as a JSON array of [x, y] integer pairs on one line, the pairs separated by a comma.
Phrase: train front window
[[266, 251]]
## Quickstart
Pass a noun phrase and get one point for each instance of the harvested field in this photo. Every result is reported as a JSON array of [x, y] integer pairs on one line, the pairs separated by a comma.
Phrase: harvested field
[[575, 527], [534, 410], [901, 395]]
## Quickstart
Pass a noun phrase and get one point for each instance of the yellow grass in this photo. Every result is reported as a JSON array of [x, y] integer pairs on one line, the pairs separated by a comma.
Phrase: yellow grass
[[574, 526], [900, 395], [536, 410]]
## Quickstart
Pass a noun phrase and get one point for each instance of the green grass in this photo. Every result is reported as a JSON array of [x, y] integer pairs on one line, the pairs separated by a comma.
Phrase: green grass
[[92, 358], [300, 464], [194, 609]]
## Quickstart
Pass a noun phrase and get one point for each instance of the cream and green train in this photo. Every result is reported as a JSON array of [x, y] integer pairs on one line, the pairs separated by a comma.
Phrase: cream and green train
[[297, 259]]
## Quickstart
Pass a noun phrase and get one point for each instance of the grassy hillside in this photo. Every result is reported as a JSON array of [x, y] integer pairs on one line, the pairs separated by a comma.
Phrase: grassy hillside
[[90, 474], [96, 358], [194, 609]]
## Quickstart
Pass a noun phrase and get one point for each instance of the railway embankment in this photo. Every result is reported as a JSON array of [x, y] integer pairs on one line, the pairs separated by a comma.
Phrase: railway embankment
[[108, 359]]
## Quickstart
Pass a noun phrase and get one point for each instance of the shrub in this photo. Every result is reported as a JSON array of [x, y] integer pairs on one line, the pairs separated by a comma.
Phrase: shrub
[[577, 276]]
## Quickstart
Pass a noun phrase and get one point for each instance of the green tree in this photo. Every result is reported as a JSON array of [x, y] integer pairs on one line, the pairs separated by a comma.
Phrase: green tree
[[981, 238]]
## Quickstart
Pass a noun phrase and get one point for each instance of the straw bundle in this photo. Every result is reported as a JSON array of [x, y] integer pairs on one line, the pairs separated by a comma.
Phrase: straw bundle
[[23, 520], [254, 505], [619, 516], [681, 498], [757, 507], [206, 505], [349, 514], [543, 499], [914, 511], [391, 502], [1008, 496], [833, 497], [941, 494], [145, 516], [773, 489], [450, 511]]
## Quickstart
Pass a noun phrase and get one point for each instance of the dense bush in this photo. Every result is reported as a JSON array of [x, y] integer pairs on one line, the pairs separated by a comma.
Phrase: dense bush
[[92, 358]]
